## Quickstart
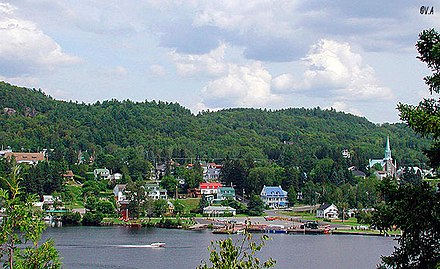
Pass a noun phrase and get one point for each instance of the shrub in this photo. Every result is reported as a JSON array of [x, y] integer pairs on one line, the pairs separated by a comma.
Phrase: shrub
[[71, 218], [92, 219]]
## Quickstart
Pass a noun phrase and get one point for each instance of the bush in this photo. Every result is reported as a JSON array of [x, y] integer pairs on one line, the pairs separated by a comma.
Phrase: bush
[[364, 217], [169, 223], [92, 219], [71, 218], [105, 207]]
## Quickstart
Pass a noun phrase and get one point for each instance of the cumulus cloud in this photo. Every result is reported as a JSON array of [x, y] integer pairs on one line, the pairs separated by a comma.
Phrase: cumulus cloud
[[25, 49], [285, 83], [230, 84], [243, 86], [211, 63], [334, 70]]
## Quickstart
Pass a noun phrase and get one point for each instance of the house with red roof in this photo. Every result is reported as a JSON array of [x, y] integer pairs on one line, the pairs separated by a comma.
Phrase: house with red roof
[[209, 187]]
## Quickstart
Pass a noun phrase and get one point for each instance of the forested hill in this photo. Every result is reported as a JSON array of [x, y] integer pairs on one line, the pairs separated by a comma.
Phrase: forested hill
[[31, 120]]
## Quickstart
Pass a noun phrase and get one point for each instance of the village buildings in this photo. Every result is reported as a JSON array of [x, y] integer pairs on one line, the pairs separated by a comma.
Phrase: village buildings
[[327, 211], [274, 197]]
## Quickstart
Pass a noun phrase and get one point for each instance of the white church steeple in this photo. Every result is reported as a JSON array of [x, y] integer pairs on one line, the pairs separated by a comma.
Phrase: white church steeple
[[388, 150]]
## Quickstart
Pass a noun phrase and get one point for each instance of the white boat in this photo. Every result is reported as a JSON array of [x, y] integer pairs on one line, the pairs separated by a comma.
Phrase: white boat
[[158, 245]]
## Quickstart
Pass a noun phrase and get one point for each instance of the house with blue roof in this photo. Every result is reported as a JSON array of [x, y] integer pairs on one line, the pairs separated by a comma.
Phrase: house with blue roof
[[274, 197]]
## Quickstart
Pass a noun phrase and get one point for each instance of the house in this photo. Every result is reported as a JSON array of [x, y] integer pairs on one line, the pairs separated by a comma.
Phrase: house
[[25, 157], [4, 151], [209, 187], [119, 192], [101, 173], [358, 174], [194, 193], [49, 201], [154, 192], [68, 175], [115, 177], [226, 193], [211, 171], [327, 211], [274, 197], [219, 210]]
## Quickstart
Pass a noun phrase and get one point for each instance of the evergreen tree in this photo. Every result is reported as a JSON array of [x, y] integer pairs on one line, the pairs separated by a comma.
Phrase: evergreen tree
[[425, 117]]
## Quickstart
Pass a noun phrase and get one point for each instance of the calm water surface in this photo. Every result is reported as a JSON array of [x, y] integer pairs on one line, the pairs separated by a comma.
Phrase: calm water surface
[[121, 248]]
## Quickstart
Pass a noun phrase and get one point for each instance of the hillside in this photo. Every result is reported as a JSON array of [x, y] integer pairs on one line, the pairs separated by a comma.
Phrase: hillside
[[159, 130]]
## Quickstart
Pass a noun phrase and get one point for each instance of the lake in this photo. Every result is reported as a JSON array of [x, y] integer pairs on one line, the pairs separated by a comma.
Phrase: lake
[[121, 248]]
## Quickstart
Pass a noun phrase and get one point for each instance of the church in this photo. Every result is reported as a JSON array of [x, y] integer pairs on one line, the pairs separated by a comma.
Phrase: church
[[389, 167]]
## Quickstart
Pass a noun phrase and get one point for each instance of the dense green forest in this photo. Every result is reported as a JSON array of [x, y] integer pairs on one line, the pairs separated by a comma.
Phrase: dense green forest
[[297, 148], [161, 131]]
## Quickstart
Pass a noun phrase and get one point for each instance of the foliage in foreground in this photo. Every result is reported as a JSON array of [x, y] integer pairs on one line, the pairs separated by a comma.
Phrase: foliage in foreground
[[414, 206], [21, 225], [415, 210], [227, 254], [425, 117]]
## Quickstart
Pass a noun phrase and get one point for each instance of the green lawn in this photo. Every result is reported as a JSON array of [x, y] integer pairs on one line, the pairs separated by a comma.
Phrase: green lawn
[[190, 203], [75, 192], [312, 216]]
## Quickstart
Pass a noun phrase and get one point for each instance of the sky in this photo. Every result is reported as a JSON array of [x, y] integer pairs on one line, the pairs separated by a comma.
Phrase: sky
[[354, 56]]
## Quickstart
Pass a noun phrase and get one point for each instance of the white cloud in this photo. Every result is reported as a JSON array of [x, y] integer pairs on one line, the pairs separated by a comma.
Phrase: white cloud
[[243, 86], [333, 70], [118, 72], [212, 63], [157, 70], [284, 83], [24, 81], [341, 106], [260, 16], [231, 84], [7, 8], [25, 49]]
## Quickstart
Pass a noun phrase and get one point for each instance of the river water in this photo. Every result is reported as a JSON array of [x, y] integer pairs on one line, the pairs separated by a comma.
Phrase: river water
[[126, 248]]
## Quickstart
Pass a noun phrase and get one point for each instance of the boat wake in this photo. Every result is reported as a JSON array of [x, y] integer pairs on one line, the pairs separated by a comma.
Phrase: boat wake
[[153, 245], [135, 246]]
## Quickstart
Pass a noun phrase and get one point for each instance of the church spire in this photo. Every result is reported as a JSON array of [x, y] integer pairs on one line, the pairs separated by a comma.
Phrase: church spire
[[388, 150]]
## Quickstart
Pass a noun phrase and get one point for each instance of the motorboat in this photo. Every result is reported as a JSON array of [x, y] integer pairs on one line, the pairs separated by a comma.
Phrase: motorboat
[[157, 245]]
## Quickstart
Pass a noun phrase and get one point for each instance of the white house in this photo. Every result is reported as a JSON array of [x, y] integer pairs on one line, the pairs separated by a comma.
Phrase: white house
[[218, 210], [101, 173], [119, 192], [327, 211], [155, 192]]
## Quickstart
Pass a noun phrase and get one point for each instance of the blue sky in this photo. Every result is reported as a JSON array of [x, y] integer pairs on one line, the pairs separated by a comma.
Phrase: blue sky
[[355, 56]]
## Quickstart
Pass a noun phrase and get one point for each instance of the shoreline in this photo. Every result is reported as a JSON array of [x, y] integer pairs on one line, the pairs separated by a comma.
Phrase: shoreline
[[230, 226]]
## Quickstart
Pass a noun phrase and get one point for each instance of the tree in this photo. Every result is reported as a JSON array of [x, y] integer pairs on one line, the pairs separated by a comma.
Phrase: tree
[[160, 207], [419, 244], [291, 196], [241, 208], [22, 224], [203, 203], [415, 209], [92, 219], [425, 117], [227, 254], [255, 206], [137, 196], [169, 183]]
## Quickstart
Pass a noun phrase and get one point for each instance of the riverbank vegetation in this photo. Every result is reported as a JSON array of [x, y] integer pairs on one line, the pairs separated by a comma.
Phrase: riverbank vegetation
[[21, 229]]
